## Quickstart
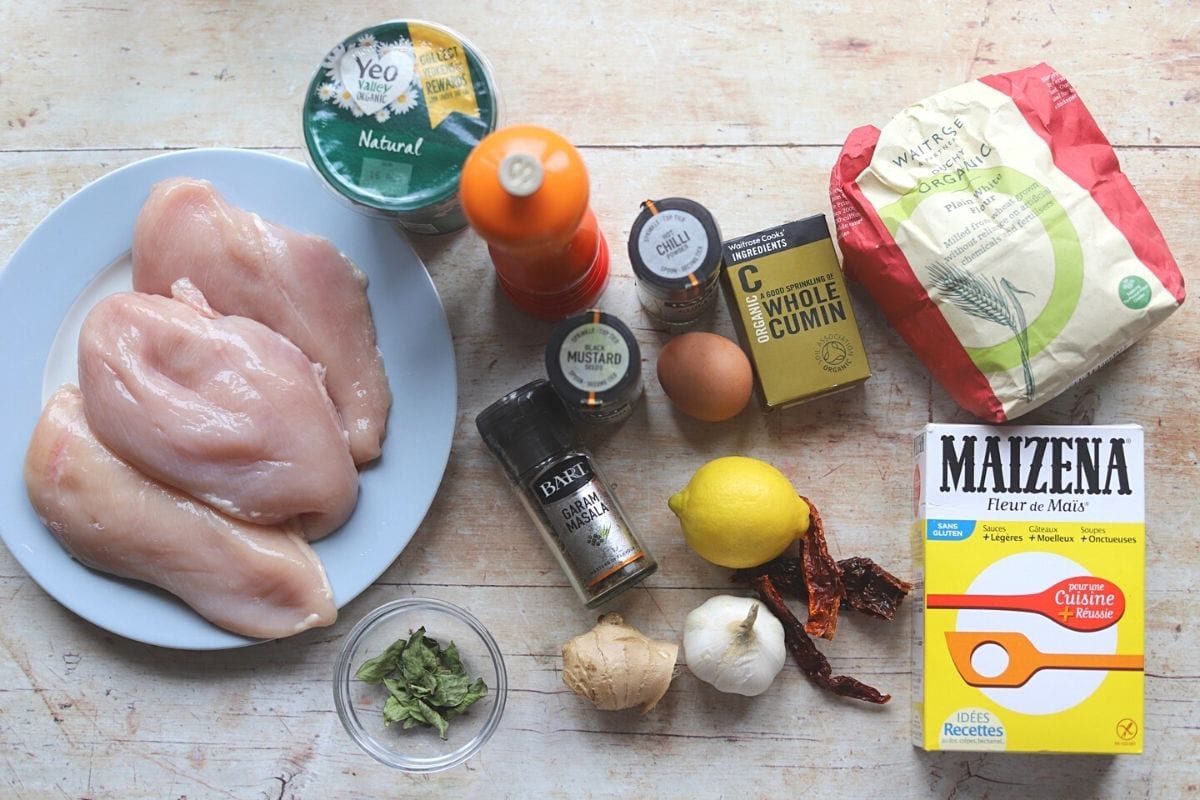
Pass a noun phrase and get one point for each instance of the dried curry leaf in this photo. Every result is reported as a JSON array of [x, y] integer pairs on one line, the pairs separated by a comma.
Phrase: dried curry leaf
[[431, 717], [374, 669], [476, 691], [418, 659], [450, 690], [397, 688], [395, 710], [451, 659], [426, 685]]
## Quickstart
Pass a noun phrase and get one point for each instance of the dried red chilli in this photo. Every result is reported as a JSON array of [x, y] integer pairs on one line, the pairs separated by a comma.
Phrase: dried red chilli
[[808, 657], [870, 589], [855, 583], [822, 577]]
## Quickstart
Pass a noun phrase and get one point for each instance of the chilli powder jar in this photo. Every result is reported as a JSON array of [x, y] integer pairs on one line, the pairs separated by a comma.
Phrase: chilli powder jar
[[675, 249]]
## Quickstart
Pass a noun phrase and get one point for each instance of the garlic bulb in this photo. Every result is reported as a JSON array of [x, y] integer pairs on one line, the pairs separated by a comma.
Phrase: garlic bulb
[[735, 644]]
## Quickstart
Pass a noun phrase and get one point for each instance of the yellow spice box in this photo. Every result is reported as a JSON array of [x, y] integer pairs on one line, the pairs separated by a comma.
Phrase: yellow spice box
[[1029, 546], [788, 301]]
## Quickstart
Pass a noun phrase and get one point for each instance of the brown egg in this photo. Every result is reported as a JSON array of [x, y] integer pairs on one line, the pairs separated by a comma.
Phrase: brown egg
[[706, 376]]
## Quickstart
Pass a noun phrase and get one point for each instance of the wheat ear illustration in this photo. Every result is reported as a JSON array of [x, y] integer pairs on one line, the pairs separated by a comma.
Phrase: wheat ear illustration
[[989, 300]]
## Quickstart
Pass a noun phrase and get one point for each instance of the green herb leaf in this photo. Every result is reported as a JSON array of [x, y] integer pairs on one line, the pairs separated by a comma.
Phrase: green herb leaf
[[451, 659], [418, 658], [477, 691], [450, 691], [374, 669], [425, 684], [397, 688], [394, 710], [432, 717]]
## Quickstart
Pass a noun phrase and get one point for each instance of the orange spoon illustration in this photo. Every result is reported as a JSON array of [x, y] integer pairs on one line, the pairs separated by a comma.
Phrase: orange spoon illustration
[[1024, 660], [1084, 603]]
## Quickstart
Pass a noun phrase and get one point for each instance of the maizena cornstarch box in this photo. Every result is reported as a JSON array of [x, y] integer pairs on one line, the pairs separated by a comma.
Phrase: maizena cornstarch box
[[1029, 545]]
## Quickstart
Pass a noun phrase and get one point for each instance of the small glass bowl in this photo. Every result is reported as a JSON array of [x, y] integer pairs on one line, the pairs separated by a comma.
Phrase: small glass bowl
[[360, 704]]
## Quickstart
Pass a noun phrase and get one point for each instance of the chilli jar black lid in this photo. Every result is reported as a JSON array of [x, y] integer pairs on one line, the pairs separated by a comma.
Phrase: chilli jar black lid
[[675, 244], [595, 365]]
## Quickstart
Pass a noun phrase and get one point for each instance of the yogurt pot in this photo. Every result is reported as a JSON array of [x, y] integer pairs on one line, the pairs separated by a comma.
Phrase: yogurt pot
[[391, 115]]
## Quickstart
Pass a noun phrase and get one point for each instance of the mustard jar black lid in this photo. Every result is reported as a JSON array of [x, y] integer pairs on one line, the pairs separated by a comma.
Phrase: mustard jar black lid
[[594, 363]]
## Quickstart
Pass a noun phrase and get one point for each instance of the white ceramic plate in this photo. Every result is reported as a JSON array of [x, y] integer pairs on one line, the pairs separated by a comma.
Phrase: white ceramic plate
[[80, 253]]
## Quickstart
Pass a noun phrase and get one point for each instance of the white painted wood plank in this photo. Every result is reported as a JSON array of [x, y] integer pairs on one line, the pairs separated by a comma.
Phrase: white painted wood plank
[[190, 73]]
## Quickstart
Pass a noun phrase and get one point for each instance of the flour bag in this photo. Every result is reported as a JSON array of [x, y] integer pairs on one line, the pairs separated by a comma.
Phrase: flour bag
[[994, 227]]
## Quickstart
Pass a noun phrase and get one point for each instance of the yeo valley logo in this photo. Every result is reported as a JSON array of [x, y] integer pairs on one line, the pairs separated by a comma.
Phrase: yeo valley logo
[[371, 78], [375, 78]]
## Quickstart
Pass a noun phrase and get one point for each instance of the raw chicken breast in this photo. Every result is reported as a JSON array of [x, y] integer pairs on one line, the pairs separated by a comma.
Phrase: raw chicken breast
[[223, 408], [300, 285], [254, 580]]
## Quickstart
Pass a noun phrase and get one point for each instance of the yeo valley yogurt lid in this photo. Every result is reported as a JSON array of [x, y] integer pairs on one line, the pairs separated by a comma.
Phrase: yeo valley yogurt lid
[[390, 116]]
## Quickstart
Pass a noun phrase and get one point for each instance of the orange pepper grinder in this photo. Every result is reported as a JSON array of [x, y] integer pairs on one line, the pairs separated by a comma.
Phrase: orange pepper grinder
[[524, 189]]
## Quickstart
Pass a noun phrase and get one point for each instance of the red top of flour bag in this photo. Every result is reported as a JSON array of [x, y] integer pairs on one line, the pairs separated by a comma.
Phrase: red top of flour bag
[[1055, 112], [993, 226]]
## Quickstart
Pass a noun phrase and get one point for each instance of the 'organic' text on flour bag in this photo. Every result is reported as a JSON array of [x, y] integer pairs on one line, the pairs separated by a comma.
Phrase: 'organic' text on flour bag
[[994, 227]]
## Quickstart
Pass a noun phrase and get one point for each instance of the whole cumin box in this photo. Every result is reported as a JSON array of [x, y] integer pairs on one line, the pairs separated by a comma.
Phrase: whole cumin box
[[789, 303]]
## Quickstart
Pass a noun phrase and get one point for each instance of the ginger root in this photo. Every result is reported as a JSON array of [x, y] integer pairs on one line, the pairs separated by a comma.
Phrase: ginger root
[[616, 666]]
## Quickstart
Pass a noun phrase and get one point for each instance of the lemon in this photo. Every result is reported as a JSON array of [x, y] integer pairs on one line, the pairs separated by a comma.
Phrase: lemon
[[739, 512]]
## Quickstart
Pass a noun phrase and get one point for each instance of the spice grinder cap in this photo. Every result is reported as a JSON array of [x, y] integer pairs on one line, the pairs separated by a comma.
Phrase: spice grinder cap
[[547, 212], [521, 174], [527, 426]]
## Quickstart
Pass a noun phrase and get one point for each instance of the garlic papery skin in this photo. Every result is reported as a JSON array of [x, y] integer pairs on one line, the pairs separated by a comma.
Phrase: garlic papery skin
[[735, 644]]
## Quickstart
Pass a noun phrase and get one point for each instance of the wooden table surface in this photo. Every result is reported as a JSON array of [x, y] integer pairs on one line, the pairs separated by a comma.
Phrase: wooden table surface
[[742, 106]]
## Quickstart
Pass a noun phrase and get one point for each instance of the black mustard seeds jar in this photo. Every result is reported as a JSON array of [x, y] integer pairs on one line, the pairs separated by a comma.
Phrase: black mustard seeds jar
[[595, 365]]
